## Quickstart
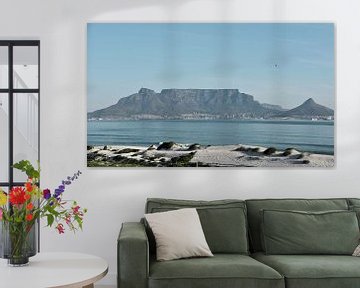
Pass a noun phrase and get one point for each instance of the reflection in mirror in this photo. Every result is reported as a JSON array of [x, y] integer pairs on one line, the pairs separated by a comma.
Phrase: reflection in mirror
[[26, 74], [4, 67], [26, 130], [4, 139]]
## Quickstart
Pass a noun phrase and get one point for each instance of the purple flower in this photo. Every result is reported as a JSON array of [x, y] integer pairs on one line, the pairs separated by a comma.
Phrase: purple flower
[[46, 194], [68, 181], [58, 192]]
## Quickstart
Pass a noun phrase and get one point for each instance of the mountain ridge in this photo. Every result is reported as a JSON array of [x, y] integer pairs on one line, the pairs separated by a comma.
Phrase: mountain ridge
[[193, 104]]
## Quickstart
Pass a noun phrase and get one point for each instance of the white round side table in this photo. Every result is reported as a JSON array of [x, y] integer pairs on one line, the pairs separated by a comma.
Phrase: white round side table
[[50, 270]]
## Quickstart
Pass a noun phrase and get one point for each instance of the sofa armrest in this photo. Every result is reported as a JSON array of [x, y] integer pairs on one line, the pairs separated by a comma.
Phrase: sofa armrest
[[133, 256]]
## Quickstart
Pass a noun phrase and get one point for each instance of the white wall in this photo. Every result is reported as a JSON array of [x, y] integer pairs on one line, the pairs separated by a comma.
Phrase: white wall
[[117, 195]]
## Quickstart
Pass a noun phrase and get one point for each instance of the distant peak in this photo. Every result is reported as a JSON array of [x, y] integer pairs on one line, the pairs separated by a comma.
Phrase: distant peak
[[145, 90], [310, 101]]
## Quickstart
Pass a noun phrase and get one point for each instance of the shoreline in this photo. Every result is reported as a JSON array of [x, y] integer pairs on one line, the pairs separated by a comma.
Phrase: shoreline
[[171, 154], [144, 147]]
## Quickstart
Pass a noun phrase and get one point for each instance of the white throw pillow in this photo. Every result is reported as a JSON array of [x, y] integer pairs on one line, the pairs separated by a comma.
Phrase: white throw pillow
[[178, 234], [357, 251]]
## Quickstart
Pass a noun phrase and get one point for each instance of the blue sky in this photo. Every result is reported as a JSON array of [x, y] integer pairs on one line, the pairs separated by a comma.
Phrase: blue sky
[[282, 64]]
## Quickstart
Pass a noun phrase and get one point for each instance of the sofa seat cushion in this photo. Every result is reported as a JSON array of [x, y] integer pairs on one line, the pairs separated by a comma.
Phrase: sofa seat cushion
[[222, 270], [314, 271]]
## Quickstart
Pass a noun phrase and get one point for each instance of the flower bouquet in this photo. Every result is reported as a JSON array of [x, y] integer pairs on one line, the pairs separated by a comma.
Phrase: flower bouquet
[[21, 208]]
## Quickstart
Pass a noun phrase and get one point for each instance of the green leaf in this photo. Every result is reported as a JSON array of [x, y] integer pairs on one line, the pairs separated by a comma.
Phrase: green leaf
[[26, 167], [52, 211], [79, 221], [50, 219]]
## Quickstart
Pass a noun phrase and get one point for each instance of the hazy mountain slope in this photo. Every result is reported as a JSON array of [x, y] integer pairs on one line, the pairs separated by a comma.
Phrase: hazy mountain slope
[[308, 109]]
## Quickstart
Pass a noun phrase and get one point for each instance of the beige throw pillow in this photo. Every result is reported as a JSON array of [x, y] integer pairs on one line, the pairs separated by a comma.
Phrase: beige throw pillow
[[357, 251], [178, 234]]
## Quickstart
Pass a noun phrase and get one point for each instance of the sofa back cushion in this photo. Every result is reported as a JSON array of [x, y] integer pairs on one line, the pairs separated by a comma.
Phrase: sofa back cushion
[[298, 232], [354, 205], [223, 221], [353, 201], [255, 206]]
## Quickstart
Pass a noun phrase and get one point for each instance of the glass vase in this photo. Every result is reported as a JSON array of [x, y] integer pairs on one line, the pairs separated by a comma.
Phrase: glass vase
[[18, 242]]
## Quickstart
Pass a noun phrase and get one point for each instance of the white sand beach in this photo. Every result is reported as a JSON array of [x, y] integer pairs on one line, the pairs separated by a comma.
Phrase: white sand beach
[[170, 154]]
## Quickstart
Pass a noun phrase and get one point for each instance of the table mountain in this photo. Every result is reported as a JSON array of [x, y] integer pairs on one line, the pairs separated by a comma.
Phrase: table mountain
[[184, 104], [201, 104]]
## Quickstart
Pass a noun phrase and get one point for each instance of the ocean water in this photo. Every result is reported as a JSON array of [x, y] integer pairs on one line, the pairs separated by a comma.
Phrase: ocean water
[[305, 135]]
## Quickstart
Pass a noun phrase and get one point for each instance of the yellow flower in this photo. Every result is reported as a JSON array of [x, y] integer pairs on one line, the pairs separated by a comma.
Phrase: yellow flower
[[3, 198]]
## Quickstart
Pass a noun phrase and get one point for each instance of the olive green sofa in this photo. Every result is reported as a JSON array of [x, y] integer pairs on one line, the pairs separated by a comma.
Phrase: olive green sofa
[[233, 230]]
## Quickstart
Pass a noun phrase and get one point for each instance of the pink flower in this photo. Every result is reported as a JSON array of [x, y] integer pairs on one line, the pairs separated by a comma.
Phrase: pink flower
[[68, 219], [1, 213], [60, 228], [76, 210]]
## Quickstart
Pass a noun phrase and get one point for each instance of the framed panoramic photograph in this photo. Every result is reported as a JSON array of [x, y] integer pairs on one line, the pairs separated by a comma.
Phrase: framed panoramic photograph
[[210, 94]]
